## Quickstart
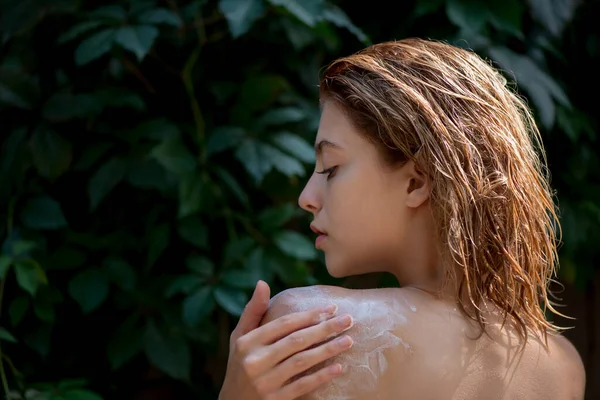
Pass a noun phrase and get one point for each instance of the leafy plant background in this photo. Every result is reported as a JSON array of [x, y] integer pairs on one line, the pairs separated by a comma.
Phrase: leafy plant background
[[152, 153]]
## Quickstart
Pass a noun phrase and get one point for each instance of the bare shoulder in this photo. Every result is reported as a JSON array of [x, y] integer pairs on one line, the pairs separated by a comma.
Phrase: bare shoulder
[[382, 342], [355, 302], [566, 359]]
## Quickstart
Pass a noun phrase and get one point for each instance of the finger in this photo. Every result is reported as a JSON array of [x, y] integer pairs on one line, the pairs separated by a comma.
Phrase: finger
[[254, 310], [303, 361], [308, 383], [283, 326], [305, 338]]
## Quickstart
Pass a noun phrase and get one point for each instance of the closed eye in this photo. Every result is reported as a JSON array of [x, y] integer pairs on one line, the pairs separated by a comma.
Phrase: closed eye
[[328, 171]]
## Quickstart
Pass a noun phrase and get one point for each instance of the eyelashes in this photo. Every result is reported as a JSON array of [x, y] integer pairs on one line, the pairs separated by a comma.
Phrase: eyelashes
[[329, 172]]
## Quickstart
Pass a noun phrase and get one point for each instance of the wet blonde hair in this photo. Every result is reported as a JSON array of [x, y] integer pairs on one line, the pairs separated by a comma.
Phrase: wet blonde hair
[[454, 115]]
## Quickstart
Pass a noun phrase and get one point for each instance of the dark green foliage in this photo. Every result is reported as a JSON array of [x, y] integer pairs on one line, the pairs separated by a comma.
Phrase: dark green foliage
[[152, 153]]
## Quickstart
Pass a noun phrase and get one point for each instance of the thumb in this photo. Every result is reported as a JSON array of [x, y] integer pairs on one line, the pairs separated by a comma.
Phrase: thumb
[[255, 309]]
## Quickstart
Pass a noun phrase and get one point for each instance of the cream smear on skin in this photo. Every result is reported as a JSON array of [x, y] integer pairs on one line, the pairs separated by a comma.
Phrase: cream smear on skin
[[376, 324]]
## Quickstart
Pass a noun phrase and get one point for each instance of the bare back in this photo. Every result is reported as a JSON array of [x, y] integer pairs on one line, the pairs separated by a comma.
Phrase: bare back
[[408, 345]]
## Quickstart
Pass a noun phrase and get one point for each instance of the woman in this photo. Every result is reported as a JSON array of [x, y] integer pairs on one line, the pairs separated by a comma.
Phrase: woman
[[427, 169]]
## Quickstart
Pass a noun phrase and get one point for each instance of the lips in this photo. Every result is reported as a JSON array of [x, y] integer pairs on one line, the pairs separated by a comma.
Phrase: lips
[[321, 238], [316, 230]]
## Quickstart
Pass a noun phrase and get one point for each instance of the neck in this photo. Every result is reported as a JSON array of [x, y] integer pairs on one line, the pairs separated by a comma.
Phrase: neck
[[421, 265]]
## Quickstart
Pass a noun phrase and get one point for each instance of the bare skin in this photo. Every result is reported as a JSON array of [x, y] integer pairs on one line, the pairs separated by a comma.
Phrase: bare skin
[[438, 354], [261, 359]]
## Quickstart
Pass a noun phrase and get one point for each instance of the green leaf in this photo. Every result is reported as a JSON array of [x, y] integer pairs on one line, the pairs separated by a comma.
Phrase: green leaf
[[200, 265], [63, 106], [246, 278], [39, 339], [95, 46], [236, 249], [252, 155], [282, 162], [223, 138], [89, 289], [126, 344], [467, 14], [157, 129], [296, 146], [197, 306], [174, 156], [542, 89], [20, 17], [115, 12], [137, 39], [338, 17], [5, 262], [239, 278], [120, 98], [139, 6], [554, 15], [256, 94], [232, 300], [507, 15], [281, 116], [307, 11], [104, 180], [52, 155], [121, 272], [158, 240], [275, 217], [194, 231], [228, 180], [17, 309], [192, 191], [45, 299], [424, 7], [81, 394], [291, 273], [66, 258], [298, 33], [20, 248], [7, 336], [18, 89], [159, 16], [295, 245], [184, 284], [71, 384], [44, 311], [78, 30], [91, 156], [43, 213], [171, 354], [148, 174], [30, 275], [241, 14]]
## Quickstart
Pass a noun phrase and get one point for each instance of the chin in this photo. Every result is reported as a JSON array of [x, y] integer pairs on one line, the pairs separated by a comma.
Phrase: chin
[[335, 268]]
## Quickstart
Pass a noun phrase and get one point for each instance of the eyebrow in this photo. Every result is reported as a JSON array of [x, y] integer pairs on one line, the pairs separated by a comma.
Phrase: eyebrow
[[323, 144]]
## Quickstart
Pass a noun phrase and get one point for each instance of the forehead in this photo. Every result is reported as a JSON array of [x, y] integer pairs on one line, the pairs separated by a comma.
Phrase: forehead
[[336, 127]]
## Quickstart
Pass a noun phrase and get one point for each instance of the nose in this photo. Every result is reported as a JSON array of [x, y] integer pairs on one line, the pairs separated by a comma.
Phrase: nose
[[309, 199]]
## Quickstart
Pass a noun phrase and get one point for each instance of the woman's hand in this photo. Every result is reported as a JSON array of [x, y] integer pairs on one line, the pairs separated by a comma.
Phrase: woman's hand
[[262, 360]]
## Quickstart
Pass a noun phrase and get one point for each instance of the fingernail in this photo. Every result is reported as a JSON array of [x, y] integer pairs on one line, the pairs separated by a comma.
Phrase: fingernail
[[344, 321], [330, 309], [345, 341], [327, 312], [334, 369]]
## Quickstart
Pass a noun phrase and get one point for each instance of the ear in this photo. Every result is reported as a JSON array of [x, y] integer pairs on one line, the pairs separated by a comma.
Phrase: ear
[[418, 185]]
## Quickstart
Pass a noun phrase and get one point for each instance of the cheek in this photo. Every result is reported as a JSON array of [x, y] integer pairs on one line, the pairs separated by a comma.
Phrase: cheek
[[367, 224]]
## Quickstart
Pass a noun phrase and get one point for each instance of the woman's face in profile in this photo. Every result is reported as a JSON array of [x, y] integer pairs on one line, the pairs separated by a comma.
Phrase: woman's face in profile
[[358, 203]]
